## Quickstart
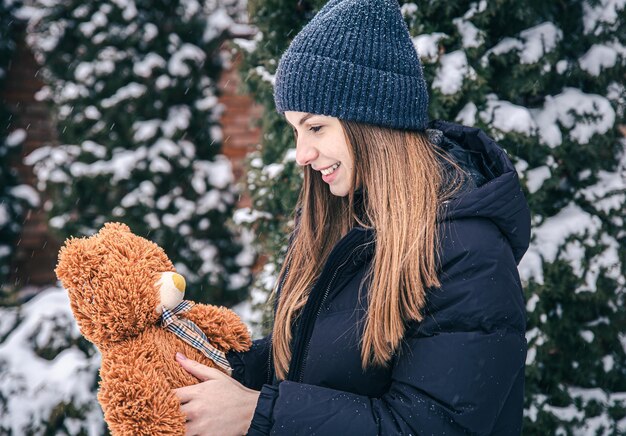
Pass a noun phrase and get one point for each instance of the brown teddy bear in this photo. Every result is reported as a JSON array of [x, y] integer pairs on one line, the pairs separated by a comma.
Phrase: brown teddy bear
[[128, 301]]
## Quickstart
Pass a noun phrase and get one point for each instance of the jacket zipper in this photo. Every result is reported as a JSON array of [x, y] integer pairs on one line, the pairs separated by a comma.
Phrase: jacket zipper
[[319, 309]]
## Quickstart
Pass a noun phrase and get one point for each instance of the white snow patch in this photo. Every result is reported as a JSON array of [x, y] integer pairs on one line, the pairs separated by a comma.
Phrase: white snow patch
[[470, 34], [177, 64], [536, 177], [427, 45], [33, 386], [532, 44], [15, 138], [604, 13], [508, 117], [467, 115], [452, 71], [600, 57], [131, 91], [144, 67], [26, 193], [551, 235], [563, 108], [248, 215]]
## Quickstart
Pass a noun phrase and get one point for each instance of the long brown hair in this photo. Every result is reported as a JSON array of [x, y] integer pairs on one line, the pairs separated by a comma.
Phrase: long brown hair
[[402, 177]]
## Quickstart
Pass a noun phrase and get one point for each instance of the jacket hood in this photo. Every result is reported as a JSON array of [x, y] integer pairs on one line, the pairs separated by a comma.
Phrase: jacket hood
[[500, 197]]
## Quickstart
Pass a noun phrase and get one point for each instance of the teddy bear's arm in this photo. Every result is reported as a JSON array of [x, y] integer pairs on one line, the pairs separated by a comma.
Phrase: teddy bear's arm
[[223, 327], [136, 400]]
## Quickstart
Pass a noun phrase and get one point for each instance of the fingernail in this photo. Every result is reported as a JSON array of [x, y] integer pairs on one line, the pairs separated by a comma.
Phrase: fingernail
[[181, 356]]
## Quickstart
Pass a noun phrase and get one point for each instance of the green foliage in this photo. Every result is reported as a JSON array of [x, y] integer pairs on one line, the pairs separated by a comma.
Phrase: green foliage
[[12, 209], [135, 97]]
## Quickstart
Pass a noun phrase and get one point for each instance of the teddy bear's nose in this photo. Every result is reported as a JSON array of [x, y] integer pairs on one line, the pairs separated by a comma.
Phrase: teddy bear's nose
[[179, 282]]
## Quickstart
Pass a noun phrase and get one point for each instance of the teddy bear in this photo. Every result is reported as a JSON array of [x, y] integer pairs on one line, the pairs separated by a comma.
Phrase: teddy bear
[[129, 302]]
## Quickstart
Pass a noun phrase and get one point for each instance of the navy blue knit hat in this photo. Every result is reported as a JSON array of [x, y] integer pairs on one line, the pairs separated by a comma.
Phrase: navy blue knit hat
[[355, 61]]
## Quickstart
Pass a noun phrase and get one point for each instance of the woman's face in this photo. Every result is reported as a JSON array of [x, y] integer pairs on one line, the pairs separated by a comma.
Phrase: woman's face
[[320, 142]]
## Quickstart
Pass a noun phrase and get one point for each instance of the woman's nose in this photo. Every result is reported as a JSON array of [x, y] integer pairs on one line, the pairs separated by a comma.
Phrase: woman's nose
[[305, 153]]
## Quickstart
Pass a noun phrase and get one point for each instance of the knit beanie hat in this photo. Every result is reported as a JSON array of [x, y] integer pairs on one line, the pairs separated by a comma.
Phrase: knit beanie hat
[[355, 61]]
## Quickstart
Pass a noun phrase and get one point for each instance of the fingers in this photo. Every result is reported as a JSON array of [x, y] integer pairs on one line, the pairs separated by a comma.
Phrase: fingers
[[184, 394], [198, 370]]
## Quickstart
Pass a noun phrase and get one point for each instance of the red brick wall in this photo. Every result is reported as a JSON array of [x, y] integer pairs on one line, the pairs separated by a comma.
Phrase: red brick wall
[[37, 248], [238, 121]]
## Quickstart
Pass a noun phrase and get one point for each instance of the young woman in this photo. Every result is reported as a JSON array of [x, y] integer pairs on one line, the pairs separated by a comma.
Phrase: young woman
[[399, 308]]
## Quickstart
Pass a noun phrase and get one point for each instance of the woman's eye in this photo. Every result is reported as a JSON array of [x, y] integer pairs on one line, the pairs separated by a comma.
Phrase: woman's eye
[[315, 128]]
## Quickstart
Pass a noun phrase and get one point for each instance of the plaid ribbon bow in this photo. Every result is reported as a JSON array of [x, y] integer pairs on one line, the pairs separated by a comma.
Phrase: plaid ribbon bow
[[189, 332]]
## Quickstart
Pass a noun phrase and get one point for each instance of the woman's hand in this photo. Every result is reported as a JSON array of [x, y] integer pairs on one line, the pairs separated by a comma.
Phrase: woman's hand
[[218, 405]]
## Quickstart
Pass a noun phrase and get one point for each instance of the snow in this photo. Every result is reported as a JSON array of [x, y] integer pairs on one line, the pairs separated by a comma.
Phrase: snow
[[72, 91], [504, 46], [587, 335], [15, 138], [26, 193], [601, 13], [532, 44], [596, 425], [143, 194], [467, 115], [150, 31], [472, 37], [507, 117], [561, 66], [219, 172], [249, 45], [92, 113], [273, 170], [427, 45], [562, 109], [218, 22], [531, 304], [128, 8], [178, 118], [290, 155], [248, 215], [452, 71], [608, 362], [177, 64], [131, 91], [4, 216], [608, 260], [42, 384], [600, 57], [609, 192], [549, 236], [143, 67], [536, 177], [408, 9], [538, 41], [265, 75], [616, 92], [145, 130], [92, 147]]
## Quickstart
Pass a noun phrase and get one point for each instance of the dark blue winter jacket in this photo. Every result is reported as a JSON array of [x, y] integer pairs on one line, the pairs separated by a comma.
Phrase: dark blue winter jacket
[[459, 371]]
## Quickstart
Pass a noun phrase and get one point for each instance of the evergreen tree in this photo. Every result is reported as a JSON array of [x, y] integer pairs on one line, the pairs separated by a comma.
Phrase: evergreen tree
[[546, 81], [15, 198], [133, 84], [49, 371]]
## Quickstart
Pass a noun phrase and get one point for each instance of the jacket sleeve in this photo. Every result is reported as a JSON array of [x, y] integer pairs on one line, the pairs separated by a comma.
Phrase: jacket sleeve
[[455, 370], [251, 368]]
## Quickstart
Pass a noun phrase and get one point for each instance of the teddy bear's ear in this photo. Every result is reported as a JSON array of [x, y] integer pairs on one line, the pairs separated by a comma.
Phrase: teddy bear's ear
[[75, 259], [114, 227]]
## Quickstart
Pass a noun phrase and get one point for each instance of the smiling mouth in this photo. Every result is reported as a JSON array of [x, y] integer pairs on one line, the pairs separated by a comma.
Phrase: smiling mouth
[[330, 170]]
